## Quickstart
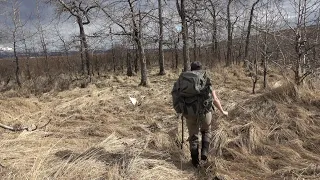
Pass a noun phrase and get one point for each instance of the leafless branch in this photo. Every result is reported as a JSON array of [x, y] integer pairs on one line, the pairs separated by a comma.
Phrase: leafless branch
[[17, 128]]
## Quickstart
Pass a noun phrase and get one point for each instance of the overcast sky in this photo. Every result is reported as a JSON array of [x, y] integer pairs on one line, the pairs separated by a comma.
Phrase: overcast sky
[[66, 27], [49, 22]]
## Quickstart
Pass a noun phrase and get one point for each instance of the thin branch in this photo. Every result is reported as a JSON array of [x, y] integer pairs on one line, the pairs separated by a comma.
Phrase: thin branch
[[45, 124], [17, 128], [111, 18]]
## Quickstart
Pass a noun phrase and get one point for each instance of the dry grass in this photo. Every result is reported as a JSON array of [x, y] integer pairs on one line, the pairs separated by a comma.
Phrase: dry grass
[[96, 133]]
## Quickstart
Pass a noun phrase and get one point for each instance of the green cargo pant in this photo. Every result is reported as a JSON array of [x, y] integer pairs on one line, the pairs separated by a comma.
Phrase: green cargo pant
[[199, 124]]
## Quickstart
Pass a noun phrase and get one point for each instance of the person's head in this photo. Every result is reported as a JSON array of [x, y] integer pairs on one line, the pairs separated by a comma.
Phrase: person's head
[[196, 65]]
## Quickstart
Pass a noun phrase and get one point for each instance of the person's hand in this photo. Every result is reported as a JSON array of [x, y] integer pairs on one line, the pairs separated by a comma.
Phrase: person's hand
[[225, 113]]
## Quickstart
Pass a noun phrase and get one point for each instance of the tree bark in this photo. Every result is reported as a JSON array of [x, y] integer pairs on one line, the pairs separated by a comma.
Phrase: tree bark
[[84, 44], [17, 24], [266, 53], [194, 41], [229, 28], [136, 58], [246, 50], [129, 64], [176, 54], [28, 58], [214, 31], [43, 43], [161, 54], [185, 34], [143, 64], [80, 11], [138, 39], [17, 72], [214, 34]]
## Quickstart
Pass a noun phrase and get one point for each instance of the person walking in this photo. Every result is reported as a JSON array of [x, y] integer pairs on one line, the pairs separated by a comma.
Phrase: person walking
[[194, 97]]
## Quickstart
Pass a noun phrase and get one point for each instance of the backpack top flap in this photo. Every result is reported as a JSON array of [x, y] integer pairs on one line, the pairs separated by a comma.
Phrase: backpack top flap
[[191, 83]]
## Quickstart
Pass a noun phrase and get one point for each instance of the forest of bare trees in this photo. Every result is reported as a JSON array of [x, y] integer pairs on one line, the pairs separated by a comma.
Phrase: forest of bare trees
[[81, 39]]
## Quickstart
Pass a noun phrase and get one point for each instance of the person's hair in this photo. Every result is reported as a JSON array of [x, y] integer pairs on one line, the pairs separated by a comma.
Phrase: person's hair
[[196, 65]]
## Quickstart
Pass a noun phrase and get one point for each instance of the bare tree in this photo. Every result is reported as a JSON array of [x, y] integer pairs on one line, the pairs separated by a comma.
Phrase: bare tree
[[16, 27], [80, 10], [129, 61], [66, 46], [196, 17], [137, 35], [300, 43], [161, 54], [230, 29], [246, 51], [212, 8], [134, 18], [255, 68], [185, 35], [42, 41], [303, 40], [27, 52], [113, 52]]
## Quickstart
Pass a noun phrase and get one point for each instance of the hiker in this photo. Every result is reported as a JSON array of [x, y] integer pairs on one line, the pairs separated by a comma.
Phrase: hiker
[[193, 96]]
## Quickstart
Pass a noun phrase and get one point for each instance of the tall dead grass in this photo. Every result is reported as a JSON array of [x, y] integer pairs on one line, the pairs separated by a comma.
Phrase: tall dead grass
[[97, 133], [272, 127]]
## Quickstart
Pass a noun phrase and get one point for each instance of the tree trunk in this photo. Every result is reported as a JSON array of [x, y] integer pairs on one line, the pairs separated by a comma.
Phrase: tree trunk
[[265, 61], [194, 29], [17, 73], [43, 42], [137, 28], [85, 49], [265, 70], [185, 35], [136, 64], [266, 53], [172, 59], [27, 60], [246, 50], [83, 67], [46, 63], [300, 43], [129, 64], [194, 41], [255, 73], [161, 54], [229, 42], [114, 65], [214, 34], [143, 64], [176, 54], [97, 64], [214, 39]]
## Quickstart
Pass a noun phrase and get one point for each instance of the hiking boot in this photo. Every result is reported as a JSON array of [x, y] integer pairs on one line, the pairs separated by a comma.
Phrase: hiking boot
[[204, 150], [205, 145], [195, 157]]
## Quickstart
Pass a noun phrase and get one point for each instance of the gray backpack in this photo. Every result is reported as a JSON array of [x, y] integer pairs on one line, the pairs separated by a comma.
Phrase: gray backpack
[[191, 94]]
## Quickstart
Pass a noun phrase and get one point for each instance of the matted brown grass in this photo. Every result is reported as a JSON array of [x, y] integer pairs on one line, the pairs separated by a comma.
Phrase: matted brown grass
[[96, 133]]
